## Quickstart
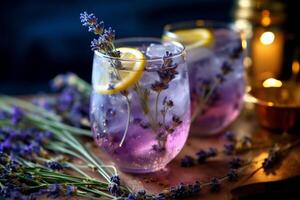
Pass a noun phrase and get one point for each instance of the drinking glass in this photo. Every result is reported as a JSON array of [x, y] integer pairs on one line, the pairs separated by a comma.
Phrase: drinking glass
[[145, 125], [215, 65]]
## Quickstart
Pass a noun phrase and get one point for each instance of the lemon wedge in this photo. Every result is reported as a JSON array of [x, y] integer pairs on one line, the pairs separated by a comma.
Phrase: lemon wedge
[[191, 38], [133, 63]]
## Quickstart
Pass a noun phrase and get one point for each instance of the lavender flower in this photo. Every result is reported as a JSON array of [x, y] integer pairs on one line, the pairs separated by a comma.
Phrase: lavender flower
[[114, 186], [232, 175], [71, 190], [229, 149], [226, 68], [272, 159], [235, 163], [159, 86], [17, 115], [104, 43], [230, 136], [91, 22], [215, 185], [114, 189], [115, 179], [140, 195], [187, 161], [212, 152], [54, 165], [160, 196], [131, 196], [3, 115], [23, 142], [182, 190], [54, 190], [203, 155]]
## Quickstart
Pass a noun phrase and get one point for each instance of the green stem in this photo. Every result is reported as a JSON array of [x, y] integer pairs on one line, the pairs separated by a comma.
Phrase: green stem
[[30, 107], [58, 148], [128, 120], [78, 170], [156, 106], [97, 192], [145, 107], [202, 102]]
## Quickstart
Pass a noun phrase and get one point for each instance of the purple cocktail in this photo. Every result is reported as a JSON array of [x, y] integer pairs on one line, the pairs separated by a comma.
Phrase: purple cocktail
[[215, 65], [140, 105]]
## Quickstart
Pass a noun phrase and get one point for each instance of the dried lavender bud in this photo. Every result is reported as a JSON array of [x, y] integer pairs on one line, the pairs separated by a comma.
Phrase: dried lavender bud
[[235, 163], [196, 187], [230, 136], [229, 149], [115, 179], [131, 196], [220, 78], [215, 185], [158, 148], [141, 195], [226, 68], [3, 115], [53, 190], [160, 196], [71, 190], [201, 156], [212, 152], [232, 175], [17, 115], [114, 189], [159, 86], [187, 161], [90, 21], [54, 165], [182, 190], [272, 159]]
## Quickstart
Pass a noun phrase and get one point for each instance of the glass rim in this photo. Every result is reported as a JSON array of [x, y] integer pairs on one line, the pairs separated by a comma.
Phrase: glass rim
[[141, 39], [200, 23]]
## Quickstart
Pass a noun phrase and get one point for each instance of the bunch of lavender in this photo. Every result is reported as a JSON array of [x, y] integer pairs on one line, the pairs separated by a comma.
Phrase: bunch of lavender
[[26, 131], [27, 180], [72, 101]]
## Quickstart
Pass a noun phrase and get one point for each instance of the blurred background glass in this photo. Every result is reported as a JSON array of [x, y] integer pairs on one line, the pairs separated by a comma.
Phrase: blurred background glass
[[40, 39]]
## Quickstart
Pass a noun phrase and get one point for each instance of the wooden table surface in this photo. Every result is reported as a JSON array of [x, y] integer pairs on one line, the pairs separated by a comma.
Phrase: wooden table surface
[[174, 174]]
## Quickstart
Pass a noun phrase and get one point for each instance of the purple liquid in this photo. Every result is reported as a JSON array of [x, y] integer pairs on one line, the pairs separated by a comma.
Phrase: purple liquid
[[216, 83], [137, 154]]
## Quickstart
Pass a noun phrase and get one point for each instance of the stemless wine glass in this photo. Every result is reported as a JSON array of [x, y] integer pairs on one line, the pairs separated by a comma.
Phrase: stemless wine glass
[[215, 65], [140, 104]]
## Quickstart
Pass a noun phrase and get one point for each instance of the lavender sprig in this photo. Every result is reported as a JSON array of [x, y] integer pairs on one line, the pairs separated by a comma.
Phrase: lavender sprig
[[105, 44]]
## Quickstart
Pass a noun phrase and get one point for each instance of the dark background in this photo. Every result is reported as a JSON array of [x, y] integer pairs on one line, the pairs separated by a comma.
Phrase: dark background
[[39, 39]]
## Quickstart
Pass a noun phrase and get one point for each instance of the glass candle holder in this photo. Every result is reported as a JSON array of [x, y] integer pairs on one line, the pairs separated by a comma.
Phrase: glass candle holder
[[143, 125], [216, 72]]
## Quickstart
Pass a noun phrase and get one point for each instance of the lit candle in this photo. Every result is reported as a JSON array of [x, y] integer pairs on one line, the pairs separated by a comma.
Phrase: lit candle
[[267, 53]]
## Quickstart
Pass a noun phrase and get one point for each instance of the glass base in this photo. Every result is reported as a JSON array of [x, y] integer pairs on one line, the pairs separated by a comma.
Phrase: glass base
[[141, 171]]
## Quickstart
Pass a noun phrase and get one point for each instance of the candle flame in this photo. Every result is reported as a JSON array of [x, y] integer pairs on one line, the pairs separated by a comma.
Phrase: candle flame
[[265, 18], [295, 67], [272, 82], [267, 38], [245, 3]]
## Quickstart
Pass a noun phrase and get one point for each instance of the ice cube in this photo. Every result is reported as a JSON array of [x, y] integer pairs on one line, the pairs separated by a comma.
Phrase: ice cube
[[171, 48], [156, 51]]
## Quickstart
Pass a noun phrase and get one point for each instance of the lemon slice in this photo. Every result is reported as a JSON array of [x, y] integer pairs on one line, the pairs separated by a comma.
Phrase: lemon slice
[[191, 38], [133, 64]]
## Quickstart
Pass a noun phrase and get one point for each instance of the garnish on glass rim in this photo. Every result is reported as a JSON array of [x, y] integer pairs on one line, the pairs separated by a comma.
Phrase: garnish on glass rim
[[117, 80]]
